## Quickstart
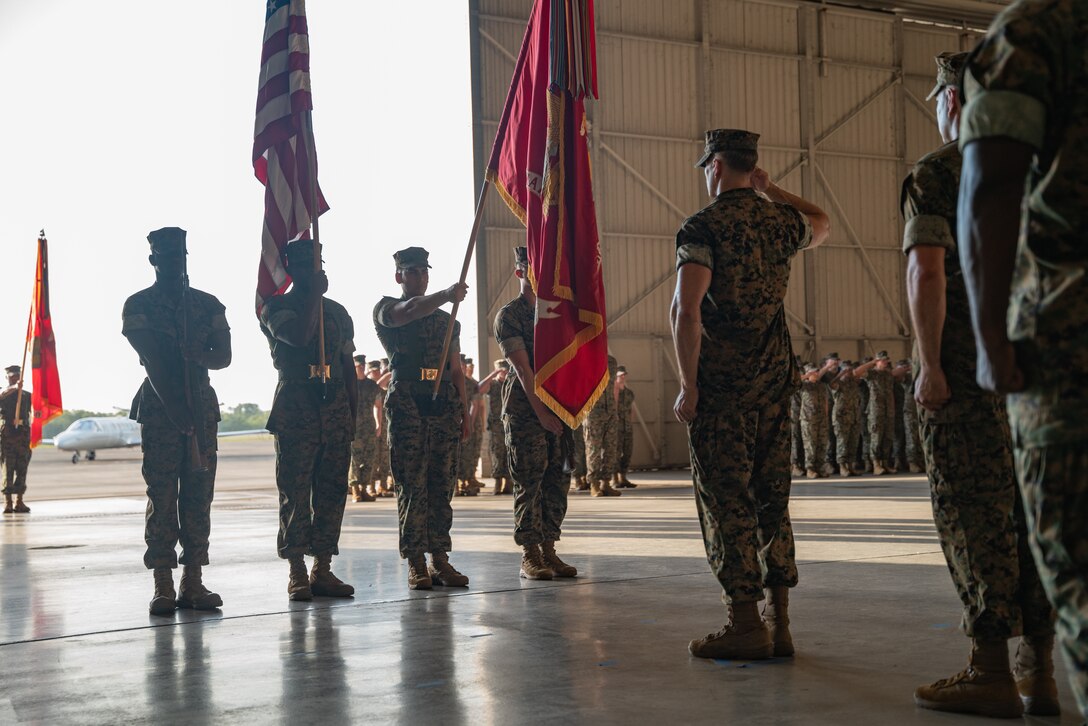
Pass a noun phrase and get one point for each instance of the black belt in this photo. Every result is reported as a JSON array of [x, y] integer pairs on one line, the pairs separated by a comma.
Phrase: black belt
[[289, 378], [417, 375]]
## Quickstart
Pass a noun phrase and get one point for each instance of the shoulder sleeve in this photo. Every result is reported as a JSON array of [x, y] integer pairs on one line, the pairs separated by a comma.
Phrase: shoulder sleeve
[[928, 201], [134, 316], [381, 312], [274, 314], [217, 312], [508, 334], [694, 244], [800, 228], [1009, 81]]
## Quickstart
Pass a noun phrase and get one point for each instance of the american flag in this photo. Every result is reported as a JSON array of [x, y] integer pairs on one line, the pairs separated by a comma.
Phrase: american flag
[[284, 157]]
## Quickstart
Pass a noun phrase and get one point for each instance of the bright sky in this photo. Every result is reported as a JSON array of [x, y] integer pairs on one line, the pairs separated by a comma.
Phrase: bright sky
[[133, 115]]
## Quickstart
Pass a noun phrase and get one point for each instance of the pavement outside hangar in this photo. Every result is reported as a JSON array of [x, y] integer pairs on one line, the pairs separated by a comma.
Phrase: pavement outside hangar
[[875, 614]]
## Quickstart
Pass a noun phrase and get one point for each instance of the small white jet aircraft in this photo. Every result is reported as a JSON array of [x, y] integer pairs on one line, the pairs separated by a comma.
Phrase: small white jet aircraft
[[109, 432]]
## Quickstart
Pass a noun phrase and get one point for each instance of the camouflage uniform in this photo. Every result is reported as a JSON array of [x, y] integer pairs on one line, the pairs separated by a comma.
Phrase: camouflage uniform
[[601, 433], [313, 434], [14, 441], [846, 419], [797, 443], [580, 468], [740, 437], [1026, 82], [899, 437], [179, 500], [864, 460], [915, 458], [468, 454], [626, 431], [976, 506], [536, 455], [814, 410], [381, 453], [496, 435], [423, 433], [881, 415], [364, 447]]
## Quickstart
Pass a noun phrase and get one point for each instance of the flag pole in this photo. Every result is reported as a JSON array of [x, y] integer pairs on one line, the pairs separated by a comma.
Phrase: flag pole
[[322, 371], [464, 274], [29, 330]]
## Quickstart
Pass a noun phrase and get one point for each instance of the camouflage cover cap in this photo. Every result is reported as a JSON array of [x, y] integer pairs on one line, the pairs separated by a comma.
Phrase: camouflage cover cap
[[501, 363], [12, 369], [949, 66], [727, 140], [168, 241], [832, 356], [411, 257], [468, 362], [521, 256], [621, 369], [882, 355], [374, 365], [360, 359]]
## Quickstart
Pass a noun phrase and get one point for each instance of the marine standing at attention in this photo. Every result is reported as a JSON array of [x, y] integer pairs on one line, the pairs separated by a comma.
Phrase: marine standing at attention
[[533, 437], [424, 429], [180, 334], [313, 422], [737, 373], [14, 442]]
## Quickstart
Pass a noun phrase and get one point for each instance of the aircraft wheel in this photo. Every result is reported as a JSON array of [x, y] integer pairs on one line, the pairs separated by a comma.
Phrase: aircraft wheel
[[90, 456], [75, 458]]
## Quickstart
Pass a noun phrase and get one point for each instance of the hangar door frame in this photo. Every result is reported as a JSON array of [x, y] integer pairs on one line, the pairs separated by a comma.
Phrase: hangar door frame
[[838, 96]]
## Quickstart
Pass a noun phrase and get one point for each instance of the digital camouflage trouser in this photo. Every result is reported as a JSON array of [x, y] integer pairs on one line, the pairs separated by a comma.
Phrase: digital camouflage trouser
[[847, 427], [14, 459], [580, 466], [980, 522], [601, 445], [364, 449], [741, 470], [626, 437], [540, 486], [814, 436], [311, 475], [1054, 482], [423, 456], [179, 500], [496, 444]]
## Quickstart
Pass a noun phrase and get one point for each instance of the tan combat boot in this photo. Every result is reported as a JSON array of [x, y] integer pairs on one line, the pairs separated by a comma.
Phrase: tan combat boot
[[298, 582], [811, 473], [985, 687], [325, 584], [164, 601], [532, 565], [418, 578], [582, 485], [193, 595], [1034, 673], [595, 490], [776, 615], [20, 506], [796, 472], [8, 508], [744, 637], [498, 486], [551, 560], [442, 572], [608, 491], [878, 467], [626, 483]]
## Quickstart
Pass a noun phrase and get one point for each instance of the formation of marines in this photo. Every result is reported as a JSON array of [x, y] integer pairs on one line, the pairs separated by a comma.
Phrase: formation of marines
[[1008, 475], [836, 400]]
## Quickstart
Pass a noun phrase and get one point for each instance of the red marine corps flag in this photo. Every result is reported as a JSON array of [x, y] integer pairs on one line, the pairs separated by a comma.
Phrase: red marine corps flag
[[540, 166], [284, 157], [45, 400]]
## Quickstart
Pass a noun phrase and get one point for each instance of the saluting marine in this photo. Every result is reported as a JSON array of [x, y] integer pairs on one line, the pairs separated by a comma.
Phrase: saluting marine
[[496, 437], [313, 421], [180, 334], [423, 428]]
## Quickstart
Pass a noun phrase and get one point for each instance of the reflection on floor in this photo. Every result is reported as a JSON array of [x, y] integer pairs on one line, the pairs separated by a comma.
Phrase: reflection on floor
[[875, 615]]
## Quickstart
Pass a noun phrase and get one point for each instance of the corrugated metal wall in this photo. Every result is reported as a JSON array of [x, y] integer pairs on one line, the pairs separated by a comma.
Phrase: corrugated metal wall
[[838, 96]]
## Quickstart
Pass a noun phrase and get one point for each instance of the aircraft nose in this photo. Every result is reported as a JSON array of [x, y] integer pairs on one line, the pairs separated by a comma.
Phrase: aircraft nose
[[59, 439]]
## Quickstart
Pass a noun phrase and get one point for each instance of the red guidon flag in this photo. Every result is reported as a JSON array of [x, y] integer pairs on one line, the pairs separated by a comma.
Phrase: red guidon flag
[[540, 166], [284, 157], [45, 398]]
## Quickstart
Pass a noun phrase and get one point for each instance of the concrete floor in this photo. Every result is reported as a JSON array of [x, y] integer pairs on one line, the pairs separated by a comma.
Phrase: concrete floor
[[874, 616]]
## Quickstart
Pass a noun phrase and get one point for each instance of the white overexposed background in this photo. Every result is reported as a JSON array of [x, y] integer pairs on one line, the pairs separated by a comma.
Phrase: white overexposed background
[[123, 117]]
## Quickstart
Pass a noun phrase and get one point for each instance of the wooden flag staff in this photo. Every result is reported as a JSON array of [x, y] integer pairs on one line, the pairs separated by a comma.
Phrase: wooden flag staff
[[464, 274], [321, 370], [29, 330]]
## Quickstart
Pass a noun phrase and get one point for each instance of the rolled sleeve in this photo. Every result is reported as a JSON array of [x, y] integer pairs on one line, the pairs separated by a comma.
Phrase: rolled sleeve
[[1004, 114], [274, 320], [131, 322], [219, 322], [928, 230], [382, 311], [692, 246], [804, 230]]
